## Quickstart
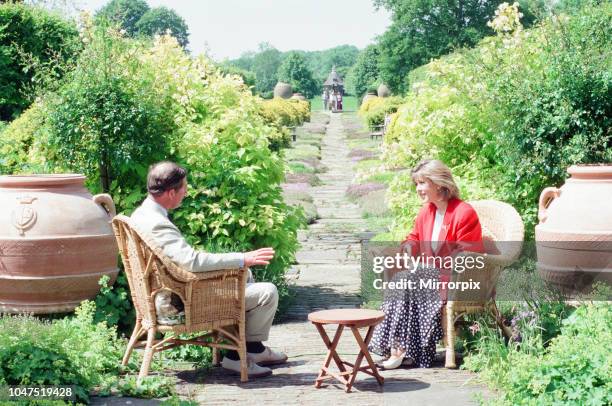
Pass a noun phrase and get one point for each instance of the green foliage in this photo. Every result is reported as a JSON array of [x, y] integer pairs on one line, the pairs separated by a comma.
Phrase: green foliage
[[248, 77], [294, 71], [364, 74], [160, 20], [104, 123], [511, 115], [148, 387], [374, 109], [426, 29], [138, 19], [21, 141], [125, 13], [574, 369], [32, 41], [70, 351], [343, 57], [265, 65], [113, 304], [130, 103]]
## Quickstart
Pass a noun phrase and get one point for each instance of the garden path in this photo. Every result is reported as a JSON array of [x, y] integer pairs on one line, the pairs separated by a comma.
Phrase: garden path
[[328, 276]]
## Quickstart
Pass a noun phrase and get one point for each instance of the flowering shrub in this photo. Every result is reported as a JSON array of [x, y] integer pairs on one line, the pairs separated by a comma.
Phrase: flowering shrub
[[374, 109]]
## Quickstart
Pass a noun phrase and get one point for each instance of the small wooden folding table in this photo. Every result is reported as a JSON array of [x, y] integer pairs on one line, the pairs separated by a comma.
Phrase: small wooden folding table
[[354, 319]]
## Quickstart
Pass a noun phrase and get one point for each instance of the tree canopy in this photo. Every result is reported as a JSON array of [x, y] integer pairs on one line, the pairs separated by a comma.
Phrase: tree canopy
[[137, 18], [294, 71], [126, 13], [365, 72], [159, 20], [426, 29]]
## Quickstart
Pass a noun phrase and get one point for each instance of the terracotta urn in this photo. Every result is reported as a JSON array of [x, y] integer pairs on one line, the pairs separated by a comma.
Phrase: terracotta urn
[[383, 91], [283, 90], [574, 236], [56, 242], [298, 96]]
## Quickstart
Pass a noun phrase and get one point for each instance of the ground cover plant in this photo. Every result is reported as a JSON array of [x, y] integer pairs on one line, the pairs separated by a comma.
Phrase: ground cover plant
[[570, 366], [69, 351]]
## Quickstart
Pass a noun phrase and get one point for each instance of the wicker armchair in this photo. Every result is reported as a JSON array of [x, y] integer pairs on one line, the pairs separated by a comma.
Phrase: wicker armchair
[[214, 301], [500, 222]]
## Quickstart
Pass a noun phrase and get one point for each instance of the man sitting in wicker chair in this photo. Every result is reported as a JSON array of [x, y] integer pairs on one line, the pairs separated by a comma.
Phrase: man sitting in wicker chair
[[167, 185]]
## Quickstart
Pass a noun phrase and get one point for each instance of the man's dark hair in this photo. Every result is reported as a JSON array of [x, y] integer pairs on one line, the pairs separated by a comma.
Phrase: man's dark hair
[[164, 176]]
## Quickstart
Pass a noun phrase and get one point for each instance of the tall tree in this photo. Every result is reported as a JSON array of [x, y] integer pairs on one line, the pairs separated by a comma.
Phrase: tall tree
[[365, 72], [126, 13], [159, 20], [265, 66], [294, 71], [35, 49], [426, 29]]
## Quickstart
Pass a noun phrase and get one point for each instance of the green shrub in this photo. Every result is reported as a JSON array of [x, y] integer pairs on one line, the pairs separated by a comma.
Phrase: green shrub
[[509, 116], [113, 304], [148, 387], [373, 111], [132, 103], [22, 142], [69, 351], [574, 369], [32, 41]]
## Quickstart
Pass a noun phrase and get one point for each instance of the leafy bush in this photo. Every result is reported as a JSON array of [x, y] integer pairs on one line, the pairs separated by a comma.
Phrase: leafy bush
[[171, 106], [113, 304], [32, 41], [149, 387], [21, 140], [374, 109], [574, 369], [510, 115], [285, 113], [70, 351]]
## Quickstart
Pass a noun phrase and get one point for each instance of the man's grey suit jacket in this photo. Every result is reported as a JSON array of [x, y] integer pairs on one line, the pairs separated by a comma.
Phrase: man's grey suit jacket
[[152, 218]]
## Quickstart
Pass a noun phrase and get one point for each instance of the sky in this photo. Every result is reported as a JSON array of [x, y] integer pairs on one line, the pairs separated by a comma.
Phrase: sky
[[227, 28]]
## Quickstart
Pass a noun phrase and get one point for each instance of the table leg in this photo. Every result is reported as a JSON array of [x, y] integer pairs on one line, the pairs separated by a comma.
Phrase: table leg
[[331, 354], [363, 345]]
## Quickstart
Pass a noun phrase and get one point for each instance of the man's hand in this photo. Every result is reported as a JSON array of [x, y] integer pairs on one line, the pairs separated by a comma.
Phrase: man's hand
[[261, 256]]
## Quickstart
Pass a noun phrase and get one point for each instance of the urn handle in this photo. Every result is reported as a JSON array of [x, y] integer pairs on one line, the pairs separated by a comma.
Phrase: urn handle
[[546, 197], [106, 201]]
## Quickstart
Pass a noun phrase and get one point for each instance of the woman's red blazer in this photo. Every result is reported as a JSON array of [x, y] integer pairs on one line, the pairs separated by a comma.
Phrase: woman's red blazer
[[460, 231]]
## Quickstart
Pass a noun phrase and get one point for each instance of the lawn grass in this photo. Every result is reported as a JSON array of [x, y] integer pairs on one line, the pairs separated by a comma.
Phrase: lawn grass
[[349, 103]]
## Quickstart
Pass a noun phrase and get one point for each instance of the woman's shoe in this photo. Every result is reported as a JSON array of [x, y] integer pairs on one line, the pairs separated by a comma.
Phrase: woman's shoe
[[392, 362]]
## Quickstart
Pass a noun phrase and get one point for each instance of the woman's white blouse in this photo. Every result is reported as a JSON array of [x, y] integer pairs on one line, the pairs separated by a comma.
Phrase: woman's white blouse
[[436, 229]]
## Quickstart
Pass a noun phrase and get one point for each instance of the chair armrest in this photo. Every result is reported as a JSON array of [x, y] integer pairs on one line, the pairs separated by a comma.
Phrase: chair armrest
[[222, 273]]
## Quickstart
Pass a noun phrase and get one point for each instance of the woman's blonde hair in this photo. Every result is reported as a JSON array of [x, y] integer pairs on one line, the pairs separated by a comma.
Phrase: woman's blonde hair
[[439, 174]]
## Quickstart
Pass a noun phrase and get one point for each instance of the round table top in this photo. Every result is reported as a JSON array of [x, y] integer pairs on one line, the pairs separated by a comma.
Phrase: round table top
[[363, 317]]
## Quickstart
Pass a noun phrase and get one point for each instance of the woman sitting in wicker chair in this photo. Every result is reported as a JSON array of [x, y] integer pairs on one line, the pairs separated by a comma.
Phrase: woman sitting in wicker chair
[[444, 227]]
